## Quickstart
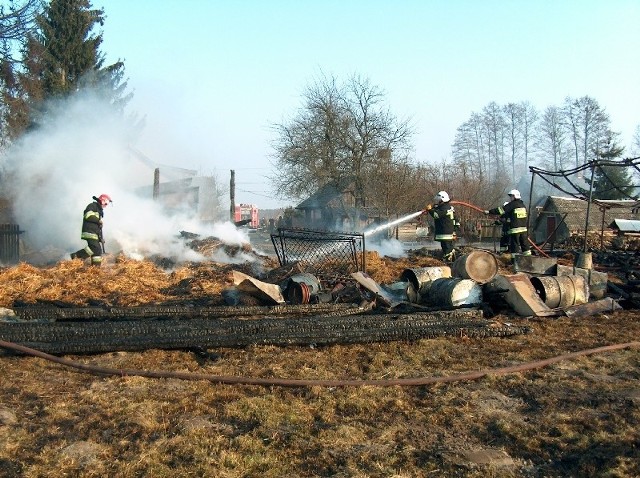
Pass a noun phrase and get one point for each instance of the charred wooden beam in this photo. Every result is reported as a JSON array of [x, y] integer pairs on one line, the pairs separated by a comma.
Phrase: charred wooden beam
[[180, 311], [109, 336]]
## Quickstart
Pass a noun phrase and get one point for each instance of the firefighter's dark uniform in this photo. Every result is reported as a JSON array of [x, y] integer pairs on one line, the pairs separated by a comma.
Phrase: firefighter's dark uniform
[[445, 225], [92, 233], [516, 214], [504, 236]]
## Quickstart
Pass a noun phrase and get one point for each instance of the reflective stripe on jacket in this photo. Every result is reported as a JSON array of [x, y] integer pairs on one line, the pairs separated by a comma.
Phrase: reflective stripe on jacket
[[516, 213], [92, 222], [444, 221]]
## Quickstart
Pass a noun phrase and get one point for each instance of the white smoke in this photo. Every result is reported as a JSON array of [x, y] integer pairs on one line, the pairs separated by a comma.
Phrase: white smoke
[[80, 152], [388, 248]]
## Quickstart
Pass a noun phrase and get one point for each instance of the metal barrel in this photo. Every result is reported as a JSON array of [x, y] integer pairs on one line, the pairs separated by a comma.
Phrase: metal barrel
[[402, 291], [301, 287], [454, 292], [423, 276], [480, 266], [584, 260], [561, 291]]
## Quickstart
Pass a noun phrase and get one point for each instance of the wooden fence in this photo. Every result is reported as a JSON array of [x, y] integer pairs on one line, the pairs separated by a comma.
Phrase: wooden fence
[[9, 244]]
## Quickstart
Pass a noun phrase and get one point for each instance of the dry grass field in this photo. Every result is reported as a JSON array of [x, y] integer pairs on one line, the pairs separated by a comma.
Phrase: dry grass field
[[579, 417]]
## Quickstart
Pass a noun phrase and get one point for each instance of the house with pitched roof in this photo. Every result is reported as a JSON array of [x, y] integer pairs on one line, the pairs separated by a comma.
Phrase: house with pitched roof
[[333, 208], [561, 217]]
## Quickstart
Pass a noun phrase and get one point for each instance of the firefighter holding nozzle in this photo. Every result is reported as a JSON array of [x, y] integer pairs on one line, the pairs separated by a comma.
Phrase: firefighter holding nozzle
[[515, 213], [445, 224]]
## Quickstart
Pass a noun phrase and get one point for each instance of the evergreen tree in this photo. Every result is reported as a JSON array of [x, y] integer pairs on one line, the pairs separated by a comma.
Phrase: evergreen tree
[[70, 50], [60, 59], [612, 180]]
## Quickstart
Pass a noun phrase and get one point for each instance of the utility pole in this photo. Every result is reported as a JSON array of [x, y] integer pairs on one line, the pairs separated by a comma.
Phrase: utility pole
[[232, 196]]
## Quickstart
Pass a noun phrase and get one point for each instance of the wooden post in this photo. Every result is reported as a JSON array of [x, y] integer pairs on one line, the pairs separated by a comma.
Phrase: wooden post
[[156, 183], [232, 196], [586, 223]]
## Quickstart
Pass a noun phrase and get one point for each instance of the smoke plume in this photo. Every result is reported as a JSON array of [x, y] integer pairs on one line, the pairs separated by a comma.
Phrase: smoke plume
[[81, 151]]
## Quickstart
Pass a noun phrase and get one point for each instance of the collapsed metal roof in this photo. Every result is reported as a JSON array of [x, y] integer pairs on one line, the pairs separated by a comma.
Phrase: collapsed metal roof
[[625, 225]]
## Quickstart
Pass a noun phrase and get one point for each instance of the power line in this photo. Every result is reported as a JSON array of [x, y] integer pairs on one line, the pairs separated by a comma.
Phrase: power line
[[244, 169], [253, 192]]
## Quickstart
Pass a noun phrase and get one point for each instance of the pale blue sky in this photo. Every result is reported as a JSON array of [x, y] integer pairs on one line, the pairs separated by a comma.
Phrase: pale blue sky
[[212, 76]]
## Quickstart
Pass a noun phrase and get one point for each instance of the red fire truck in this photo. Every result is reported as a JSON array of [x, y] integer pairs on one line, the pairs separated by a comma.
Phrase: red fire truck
[[247, 212]]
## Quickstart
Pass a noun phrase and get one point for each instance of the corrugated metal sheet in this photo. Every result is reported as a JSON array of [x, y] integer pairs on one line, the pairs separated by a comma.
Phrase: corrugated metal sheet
[[626, 225]]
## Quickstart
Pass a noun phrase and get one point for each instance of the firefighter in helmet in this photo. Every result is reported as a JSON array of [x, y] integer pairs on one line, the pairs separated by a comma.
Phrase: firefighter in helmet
[[516, 213], [445, 224], [92, 230]]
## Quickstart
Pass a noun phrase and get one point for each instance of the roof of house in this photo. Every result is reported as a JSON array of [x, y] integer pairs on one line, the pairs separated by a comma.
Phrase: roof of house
[[576, 211], [618, 203], [323, 196]]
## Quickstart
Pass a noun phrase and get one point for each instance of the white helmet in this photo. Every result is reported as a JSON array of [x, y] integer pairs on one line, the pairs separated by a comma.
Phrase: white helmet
[[515, 193], [442, 196]]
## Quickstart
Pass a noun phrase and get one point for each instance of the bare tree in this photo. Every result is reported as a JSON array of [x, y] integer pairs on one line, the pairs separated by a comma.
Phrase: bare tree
[[470, 145], [551, 139], [308, 147], [588, 126], [571, 120], [393, 188], [513, 117], [635, 145], [17, 19], [495, 126], [336, 136], [422, 181], [529, 123]]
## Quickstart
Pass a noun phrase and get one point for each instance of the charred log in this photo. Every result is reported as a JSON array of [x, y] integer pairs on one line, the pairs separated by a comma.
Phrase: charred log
[[50, 313], [108, 336]]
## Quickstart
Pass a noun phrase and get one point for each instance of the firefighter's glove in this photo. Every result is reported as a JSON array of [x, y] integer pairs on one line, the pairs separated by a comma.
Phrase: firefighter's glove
[[428, 207], [486, 211]]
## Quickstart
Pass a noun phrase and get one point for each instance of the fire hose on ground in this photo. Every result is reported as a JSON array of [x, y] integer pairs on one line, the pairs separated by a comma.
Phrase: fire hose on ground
[[476, 208], [268, 382]]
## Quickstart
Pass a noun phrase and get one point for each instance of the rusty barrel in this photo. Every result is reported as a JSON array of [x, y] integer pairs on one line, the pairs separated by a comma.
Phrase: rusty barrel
[[421, 277], [453, 292], [480, 266], [561, 291]]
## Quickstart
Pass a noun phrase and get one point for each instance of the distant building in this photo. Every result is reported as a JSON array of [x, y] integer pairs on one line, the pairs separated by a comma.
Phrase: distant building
[[560, 217], [333, 207], [193, 197], [183, 192]]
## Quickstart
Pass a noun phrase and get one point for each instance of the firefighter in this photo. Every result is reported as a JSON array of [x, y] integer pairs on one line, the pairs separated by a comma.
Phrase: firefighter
[[515, 212], [445, 224], [504, 236], [92, 230]]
